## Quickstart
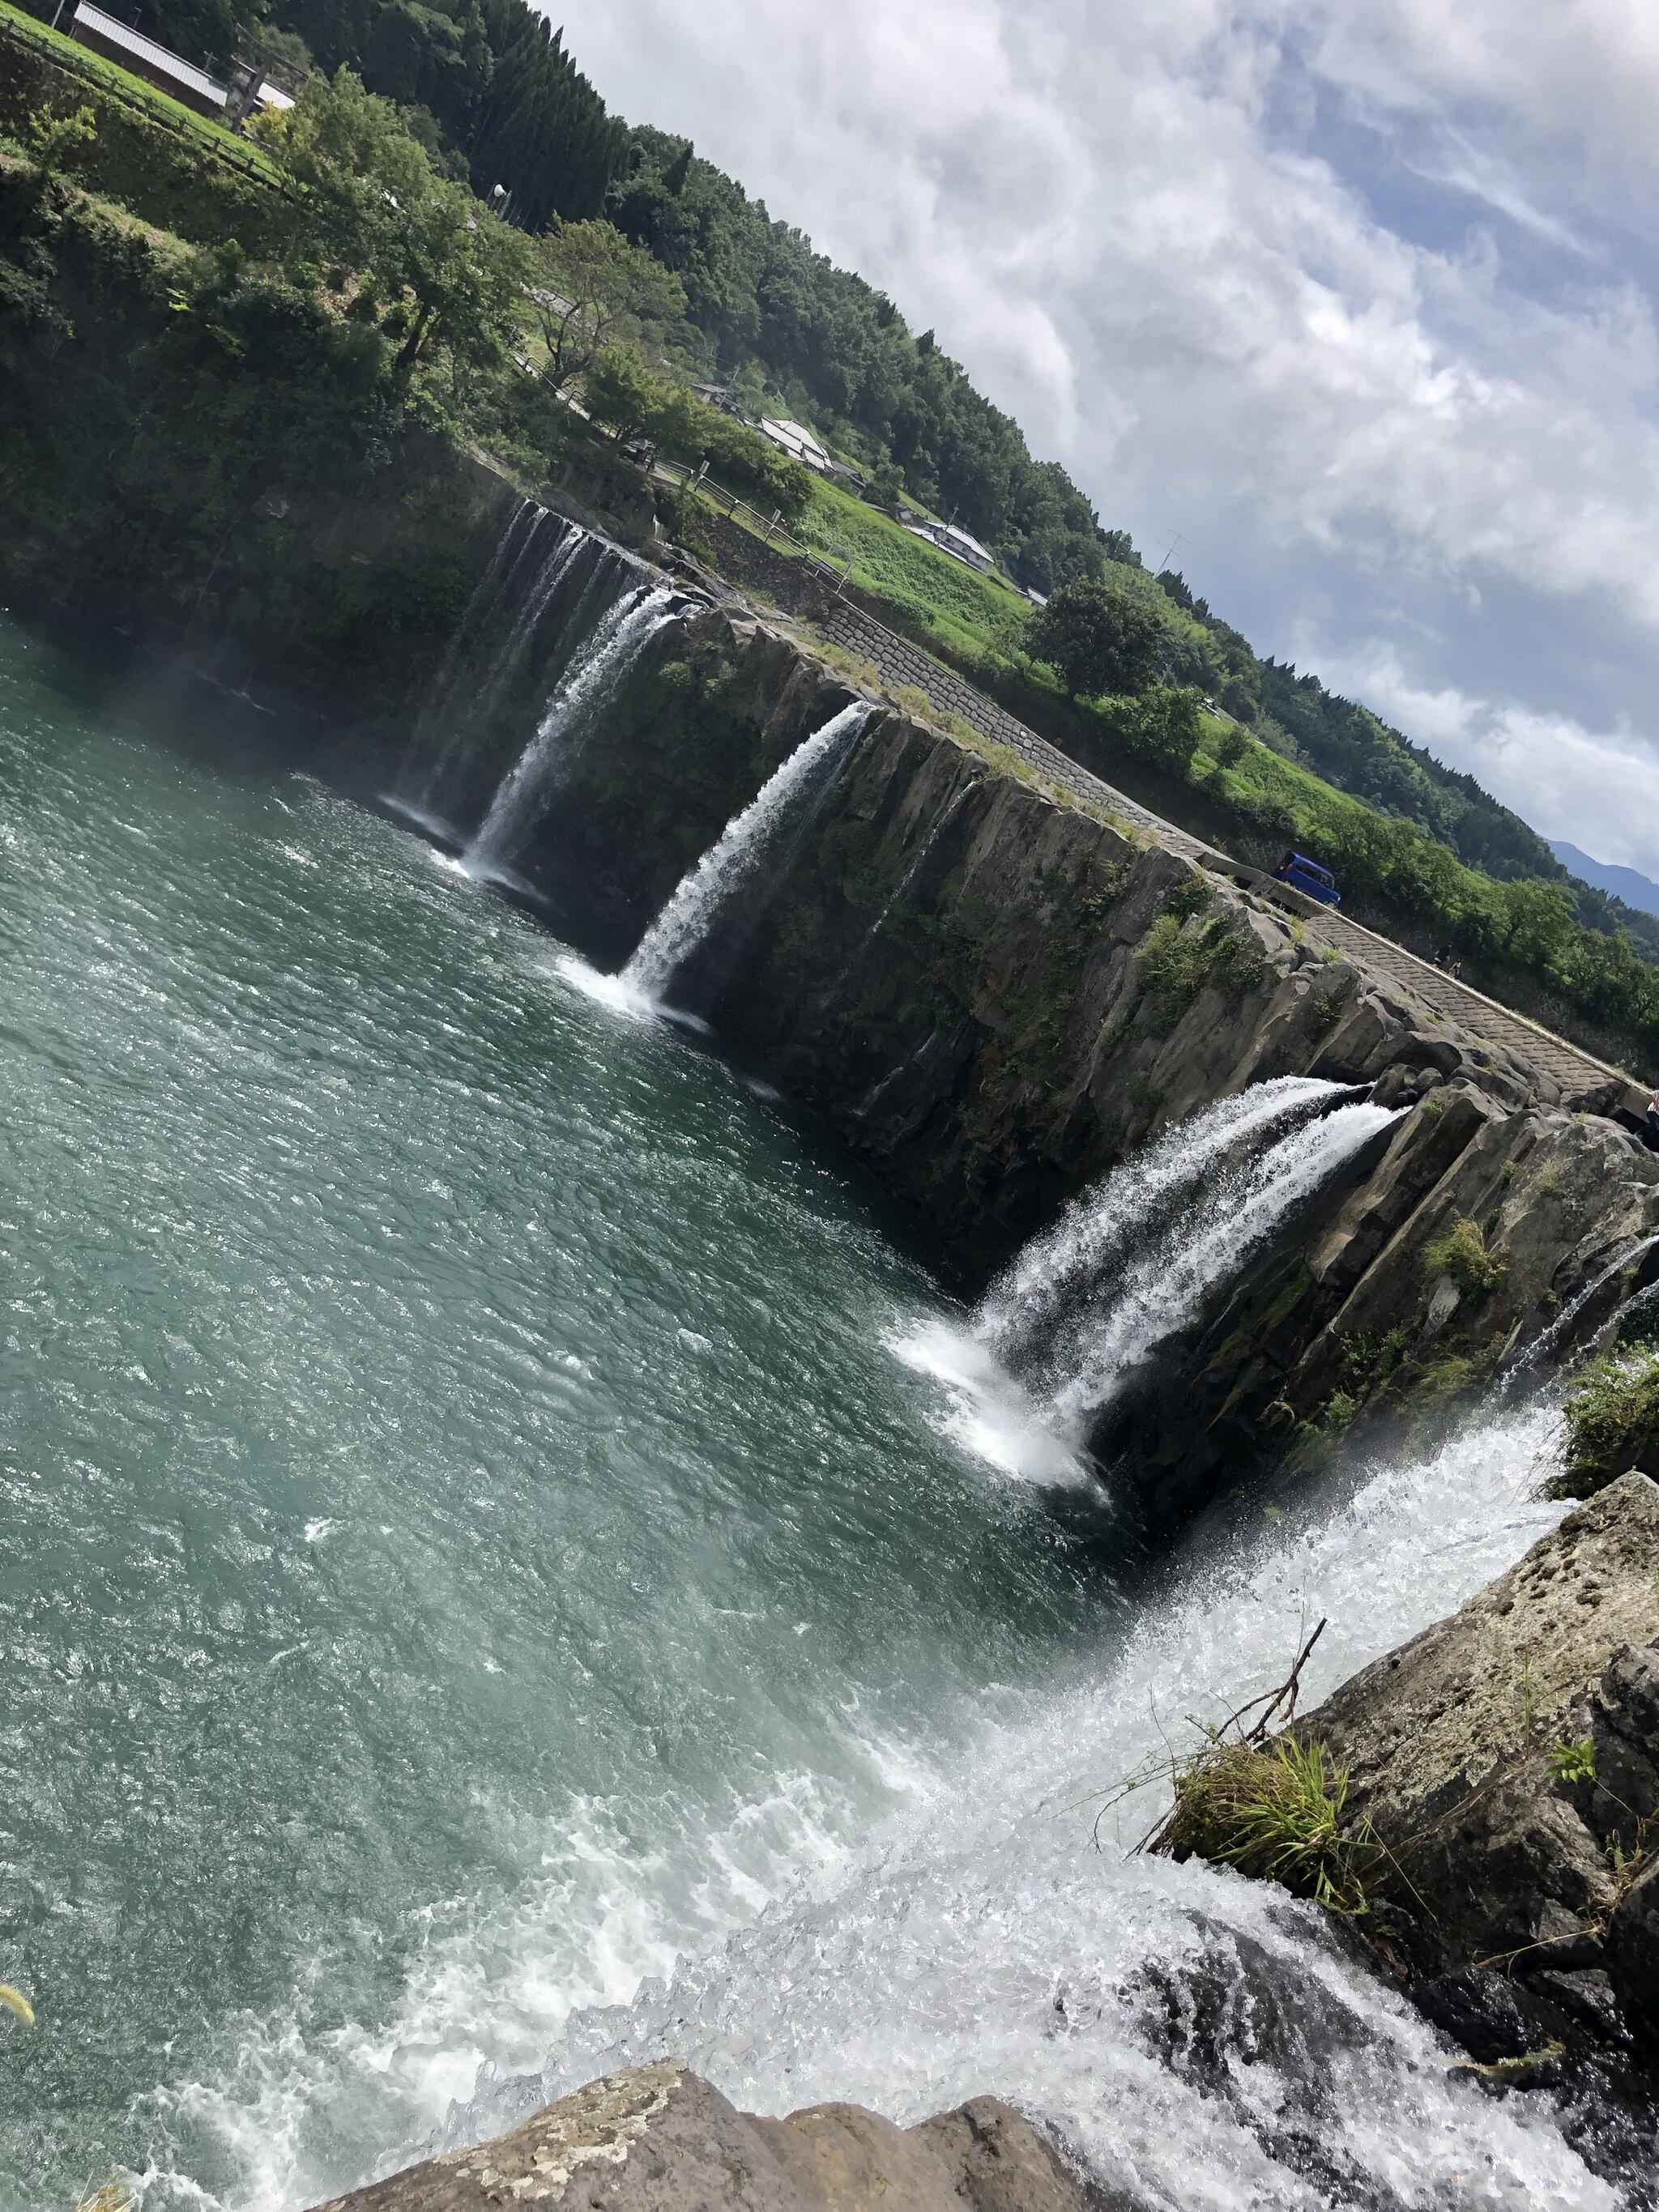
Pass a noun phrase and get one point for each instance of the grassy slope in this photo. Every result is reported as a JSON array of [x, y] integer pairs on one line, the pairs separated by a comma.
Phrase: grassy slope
[[962, 608], [89, 73]]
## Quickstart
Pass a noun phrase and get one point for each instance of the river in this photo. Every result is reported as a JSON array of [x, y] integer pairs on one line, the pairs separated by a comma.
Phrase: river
[[480, 1585]]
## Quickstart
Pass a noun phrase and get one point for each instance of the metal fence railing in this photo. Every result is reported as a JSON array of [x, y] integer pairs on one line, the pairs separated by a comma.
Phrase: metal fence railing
[[769, 528]]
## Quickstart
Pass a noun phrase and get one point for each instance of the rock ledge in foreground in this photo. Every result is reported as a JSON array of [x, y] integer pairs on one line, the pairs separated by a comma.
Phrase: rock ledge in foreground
[[659, 2138]]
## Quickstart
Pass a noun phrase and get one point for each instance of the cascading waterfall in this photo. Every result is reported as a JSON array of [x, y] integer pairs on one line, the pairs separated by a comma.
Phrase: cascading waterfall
[[592, 676], [728, 868], [1547, 1339], [1166, 1291], [1199, 2040], [1105, 1224], [929, 847], [510, 549], [569, 545], [1130, 1264]]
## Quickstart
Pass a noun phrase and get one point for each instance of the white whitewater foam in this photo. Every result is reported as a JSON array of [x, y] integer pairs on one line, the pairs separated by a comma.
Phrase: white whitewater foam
[[986, 1412], [1190, 2031], [1164, 1292], [620, 636], [976, 1940], [1103, 1225], [732, 863]]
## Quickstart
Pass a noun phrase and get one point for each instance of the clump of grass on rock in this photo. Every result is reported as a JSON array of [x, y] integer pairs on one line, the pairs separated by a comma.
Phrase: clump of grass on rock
[[1275, 1812]]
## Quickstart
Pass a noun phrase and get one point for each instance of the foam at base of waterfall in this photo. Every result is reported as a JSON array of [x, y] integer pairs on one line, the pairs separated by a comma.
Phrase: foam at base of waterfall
[[1191, 2033], [1199, 2037], [731, 864], [984, 1410]]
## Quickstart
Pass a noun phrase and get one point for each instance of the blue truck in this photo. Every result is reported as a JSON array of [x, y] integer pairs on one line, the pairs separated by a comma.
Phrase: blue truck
[[1306, 875]]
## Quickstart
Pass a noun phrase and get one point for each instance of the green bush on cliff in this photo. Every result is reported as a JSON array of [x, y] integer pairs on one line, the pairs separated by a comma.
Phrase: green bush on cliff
[[1461, 1251], [1612, 1422], [1176, 961]]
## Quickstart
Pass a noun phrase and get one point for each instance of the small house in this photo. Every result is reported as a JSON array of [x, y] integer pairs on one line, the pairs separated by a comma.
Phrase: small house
[[795, 439], [146, 58]]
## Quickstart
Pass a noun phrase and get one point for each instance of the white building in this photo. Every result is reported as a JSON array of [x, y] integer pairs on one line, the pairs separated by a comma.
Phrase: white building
[[796, 440], [956, 542]]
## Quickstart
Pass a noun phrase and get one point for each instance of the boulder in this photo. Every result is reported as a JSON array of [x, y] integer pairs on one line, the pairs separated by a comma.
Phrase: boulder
[[658, 2138], [1506, 1760]]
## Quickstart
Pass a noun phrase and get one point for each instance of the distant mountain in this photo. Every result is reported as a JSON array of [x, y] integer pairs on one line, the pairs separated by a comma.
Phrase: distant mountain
[[1636, 890]]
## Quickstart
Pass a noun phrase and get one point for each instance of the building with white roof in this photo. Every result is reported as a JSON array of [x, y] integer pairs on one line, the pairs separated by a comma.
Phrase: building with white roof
[[169, 72], [796, 439]]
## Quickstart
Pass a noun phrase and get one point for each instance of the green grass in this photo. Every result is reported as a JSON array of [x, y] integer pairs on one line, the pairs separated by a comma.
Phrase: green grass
[[960, 605], [108, 78], [1613, 1421], [1278, 1814]]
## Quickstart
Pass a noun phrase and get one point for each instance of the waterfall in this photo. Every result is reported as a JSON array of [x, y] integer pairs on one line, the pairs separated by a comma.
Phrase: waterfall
[[731, 864], [1547, 1339], [1166, 1291], [569, 543], [587, 683], [928, 845], [1202, 2040], [510, 548], [432, 743], [1131, 1263], [1100, 1228]]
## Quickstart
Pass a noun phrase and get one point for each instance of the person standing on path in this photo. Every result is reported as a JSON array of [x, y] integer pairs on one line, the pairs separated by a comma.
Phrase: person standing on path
[[1653, 1121]]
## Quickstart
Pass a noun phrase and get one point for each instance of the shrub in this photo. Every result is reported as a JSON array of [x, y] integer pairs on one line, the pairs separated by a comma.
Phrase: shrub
[[1174, 963], [1612, 1422], [1177, 964], [1461, 1251], [1276, 1815]]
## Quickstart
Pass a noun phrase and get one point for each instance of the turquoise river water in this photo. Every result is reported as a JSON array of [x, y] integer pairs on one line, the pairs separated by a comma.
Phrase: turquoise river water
[[486, 1581], [462, 1530]]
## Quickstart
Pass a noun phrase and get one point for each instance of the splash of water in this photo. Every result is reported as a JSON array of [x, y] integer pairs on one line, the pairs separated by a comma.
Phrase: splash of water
[[729, 867], [1106, 1224], [591, 679], [1164, 1292], [1199, 2040]]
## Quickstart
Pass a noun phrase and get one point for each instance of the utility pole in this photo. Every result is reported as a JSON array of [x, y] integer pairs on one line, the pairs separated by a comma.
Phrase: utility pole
[[1177, 540]]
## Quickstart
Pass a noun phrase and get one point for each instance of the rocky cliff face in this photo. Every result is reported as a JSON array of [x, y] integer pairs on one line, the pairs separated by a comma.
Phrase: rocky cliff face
[[1508, 1760], [659, 2139], [995, 995]]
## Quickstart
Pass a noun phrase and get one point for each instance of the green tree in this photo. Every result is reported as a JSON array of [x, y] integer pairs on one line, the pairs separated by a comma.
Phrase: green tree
[[1165, 724], [432, 266], [620, 392], [1101, 636], [593, 287]]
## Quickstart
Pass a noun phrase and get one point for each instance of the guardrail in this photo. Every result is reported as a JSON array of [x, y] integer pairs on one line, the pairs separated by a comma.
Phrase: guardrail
[[770, 528]]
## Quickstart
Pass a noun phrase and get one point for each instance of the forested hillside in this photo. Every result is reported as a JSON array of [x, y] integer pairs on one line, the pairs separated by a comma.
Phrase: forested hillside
[[488, 89]]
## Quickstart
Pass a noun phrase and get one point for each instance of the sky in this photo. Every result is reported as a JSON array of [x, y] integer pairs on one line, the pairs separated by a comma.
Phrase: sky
[[1353, 301]]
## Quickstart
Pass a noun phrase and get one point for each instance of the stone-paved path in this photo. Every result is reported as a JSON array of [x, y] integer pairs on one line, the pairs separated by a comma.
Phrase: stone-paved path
[[902, 663]]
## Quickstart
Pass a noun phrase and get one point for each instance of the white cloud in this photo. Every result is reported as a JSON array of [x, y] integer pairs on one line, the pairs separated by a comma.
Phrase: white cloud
[[1218, 333], [1597, 789]]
